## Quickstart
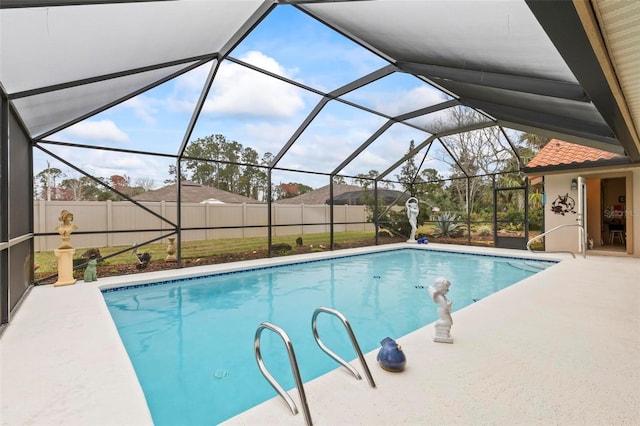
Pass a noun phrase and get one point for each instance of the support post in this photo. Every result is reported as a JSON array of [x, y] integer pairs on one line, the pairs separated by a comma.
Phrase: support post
[[331, 207]]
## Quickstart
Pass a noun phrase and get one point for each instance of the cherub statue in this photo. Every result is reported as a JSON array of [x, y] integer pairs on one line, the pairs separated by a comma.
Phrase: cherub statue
[[442, 327], [412, 214], [66, 228]]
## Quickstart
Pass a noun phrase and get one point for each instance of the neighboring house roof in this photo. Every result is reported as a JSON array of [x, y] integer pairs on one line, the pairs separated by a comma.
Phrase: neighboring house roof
[[361, 197], [192, 192], [320, 195], [557, 153]]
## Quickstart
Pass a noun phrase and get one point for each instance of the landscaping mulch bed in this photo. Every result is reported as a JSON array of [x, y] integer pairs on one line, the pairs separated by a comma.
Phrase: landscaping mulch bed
[[107, 270]]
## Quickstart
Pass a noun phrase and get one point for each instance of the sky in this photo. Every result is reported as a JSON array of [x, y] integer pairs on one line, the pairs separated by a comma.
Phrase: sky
[[260, 111]]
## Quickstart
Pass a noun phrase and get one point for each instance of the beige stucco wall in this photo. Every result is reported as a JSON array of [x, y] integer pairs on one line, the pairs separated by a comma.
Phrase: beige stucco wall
[[559, 184]]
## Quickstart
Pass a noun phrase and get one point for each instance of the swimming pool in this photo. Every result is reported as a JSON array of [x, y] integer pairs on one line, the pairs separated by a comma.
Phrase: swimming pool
[[191, 341]]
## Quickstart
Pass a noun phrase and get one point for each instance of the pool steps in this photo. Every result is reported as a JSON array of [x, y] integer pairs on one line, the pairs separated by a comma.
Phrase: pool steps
[[528, 266], [294, 363]]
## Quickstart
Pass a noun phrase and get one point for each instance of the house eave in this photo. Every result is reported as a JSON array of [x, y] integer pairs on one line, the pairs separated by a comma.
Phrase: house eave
[[588, 165]]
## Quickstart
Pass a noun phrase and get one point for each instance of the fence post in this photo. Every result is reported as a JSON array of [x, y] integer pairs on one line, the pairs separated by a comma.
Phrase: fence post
[[275, 219], [327, 217], [207, 220], [163, 213], [346, 218], [109, 207], [244, 219]]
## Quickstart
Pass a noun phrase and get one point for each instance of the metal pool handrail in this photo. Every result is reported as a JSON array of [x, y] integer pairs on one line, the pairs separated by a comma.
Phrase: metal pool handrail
[[584, 240], [354, 342], [294, 368]]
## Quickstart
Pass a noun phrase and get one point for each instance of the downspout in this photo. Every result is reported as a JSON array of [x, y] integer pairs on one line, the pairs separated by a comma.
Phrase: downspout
[[582, 215]]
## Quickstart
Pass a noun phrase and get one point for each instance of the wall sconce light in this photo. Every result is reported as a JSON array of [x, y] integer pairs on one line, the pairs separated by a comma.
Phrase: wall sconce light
[[574, 184]]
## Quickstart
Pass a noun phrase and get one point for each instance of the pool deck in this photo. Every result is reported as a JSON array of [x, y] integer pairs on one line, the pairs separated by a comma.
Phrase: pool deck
[[561, 347]]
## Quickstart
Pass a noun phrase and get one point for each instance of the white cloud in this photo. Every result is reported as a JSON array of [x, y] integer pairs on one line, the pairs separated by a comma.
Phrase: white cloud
[[416, 98], [106, 164], [367, 161], [102, 130], [238, 90], [268, 136], [267, 63], [145, 108]]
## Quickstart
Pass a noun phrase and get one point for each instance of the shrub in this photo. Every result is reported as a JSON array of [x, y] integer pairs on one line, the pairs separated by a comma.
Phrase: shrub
[[281, 248], [395, 222], [484, 230], [446, 225]]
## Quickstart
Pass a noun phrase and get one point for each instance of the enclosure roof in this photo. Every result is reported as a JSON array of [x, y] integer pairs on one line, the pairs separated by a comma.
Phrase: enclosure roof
[[565, 69]]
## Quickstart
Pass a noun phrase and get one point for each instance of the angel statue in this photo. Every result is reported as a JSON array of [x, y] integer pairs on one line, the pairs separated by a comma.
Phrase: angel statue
[[438, 292]]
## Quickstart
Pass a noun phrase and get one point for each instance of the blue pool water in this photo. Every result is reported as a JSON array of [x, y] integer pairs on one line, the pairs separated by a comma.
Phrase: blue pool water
[[191, 341]]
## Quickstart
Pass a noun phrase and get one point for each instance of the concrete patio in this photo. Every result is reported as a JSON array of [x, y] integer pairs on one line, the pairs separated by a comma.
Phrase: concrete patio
[[562, 347]]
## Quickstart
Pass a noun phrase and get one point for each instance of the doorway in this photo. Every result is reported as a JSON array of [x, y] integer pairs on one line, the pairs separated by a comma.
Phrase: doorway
[[614, 220], [606, 213]]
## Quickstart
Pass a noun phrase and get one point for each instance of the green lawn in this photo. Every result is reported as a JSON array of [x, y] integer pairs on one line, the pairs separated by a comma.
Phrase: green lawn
[[206, 248]]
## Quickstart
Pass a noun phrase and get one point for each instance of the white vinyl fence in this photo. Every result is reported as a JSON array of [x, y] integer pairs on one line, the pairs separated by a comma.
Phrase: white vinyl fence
[[250, 220]]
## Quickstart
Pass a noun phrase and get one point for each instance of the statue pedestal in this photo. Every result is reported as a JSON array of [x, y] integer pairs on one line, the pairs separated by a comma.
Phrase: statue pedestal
[[65, 266], [441, 334], [412, 241], [171, 251], [439, 339]]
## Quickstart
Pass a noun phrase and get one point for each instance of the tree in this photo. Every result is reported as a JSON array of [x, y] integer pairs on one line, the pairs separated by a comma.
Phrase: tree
[[145, 183], [173, 172], [476, 153], [408, 176], [434, 191], [409, 171], [120, 183], [105, 193], [204, 172], [532, 141], [48, 182], [290, 190], [252, 177], [227, 165], [78, 189], [365, 180], [229, 172], [263, 181]]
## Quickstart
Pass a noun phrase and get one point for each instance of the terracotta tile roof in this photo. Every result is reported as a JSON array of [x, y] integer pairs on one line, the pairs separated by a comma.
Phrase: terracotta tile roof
[[557, 152]]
